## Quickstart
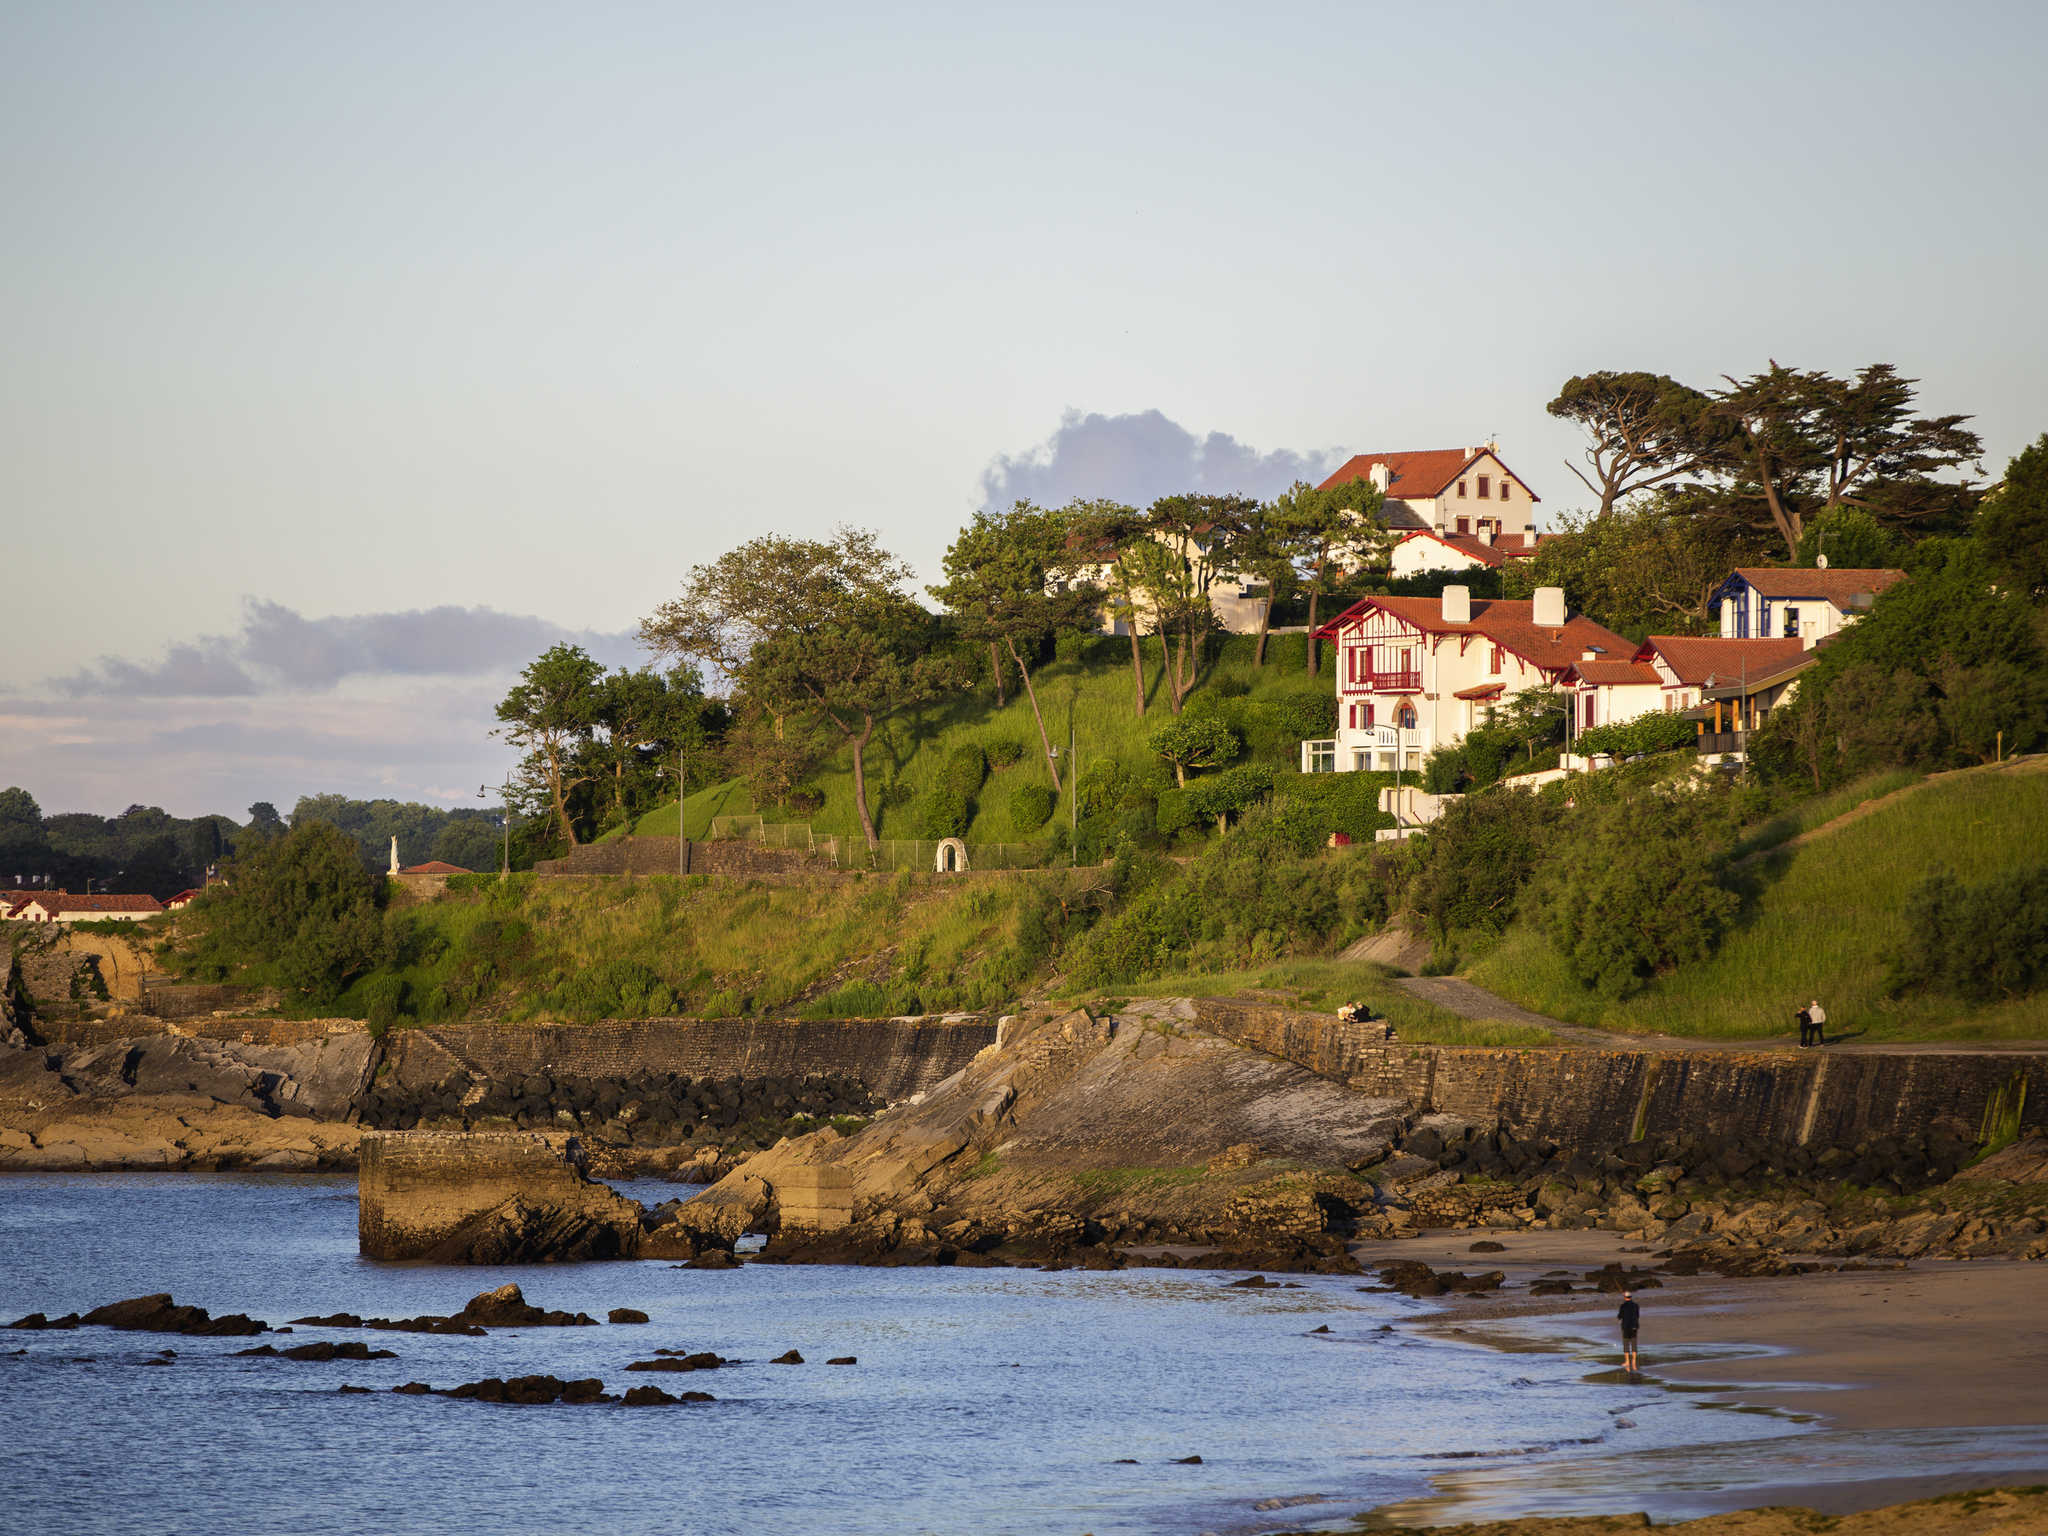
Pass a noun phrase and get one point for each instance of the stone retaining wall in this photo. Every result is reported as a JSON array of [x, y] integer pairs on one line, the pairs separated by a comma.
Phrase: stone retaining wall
[[419, 1190], [660, 856], [895, 1058], [132, 1026]]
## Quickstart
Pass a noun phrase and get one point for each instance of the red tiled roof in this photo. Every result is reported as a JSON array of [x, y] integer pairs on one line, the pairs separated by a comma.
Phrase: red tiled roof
[[54, 902], [435, 867], [1834, 586], [1608, 673], [182, 897], [1505, 548], [1480, 691], [1422, 472], [1695, 658], [1510, 624]]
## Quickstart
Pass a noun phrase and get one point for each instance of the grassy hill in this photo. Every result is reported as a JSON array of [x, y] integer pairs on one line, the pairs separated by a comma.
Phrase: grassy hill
[[1090, 687], [1825, 905]]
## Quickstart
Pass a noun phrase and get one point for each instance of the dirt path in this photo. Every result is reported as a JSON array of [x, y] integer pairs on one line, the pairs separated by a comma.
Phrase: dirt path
[[1456, 995]]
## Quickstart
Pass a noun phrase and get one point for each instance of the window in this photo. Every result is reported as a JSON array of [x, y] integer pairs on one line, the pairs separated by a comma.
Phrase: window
[[1742, 617], [1404, 717], [1763, 626], [1504, 484], [1461, 489], [1589, 711], [1791, 623], [1464, 525], [1322, 756], [1494, 667], [1484, 482], [1368, 714]]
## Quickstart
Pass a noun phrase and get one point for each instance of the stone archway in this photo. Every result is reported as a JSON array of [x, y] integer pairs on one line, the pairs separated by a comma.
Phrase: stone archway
[[951, 858]]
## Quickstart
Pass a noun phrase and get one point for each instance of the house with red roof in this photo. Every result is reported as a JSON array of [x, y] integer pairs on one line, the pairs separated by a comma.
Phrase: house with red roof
[[1809, 605], [63, 907], [1479, 512], [1727, 685], [1417, 673]]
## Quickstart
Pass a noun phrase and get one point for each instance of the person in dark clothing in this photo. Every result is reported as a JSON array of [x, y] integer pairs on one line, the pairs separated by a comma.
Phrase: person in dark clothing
[[1631, 1317], [1806, 1030]]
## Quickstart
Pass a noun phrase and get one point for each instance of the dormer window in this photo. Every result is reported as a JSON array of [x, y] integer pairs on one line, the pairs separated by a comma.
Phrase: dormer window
[[1484, 481]]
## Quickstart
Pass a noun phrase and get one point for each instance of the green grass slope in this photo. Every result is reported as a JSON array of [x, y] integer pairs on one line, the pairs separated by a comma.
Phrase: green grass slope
[[1820, 919], [1091, 687]]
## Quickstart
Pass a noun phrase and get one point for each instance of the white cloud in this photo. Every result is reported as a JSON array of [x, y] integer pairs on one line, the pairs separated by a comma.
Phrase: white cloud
[[1140, 457]]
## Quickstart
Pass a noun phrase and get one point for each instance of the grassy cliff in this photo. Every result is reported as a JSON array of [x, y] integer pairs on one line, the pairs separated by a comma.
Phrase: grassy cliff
[[1826, 904]]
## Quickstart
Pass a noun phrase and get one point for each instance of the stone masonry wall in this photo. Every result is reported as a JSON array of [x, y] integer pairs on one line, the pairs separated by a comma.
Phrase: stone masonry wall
[[895, 1058], [418, 1189], [660, 856]]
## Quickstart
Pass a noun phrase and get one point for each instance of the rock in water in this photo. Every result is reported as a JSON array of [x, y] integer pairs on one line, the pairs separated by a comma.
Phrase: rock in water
[[625, 1315], [792, 1358], [160, 1314], [485, 1198]]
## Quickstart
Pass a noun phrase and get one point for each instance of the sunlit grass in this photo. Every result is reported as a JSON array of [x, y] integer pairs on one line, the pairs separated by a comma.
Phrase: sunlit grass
[[1820, 921]]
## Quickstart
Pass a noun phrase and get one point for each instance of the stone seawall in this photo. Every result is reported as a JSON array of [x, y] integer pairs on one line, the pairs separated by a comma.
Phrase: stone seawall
[[1609, 1098], [895, 1058], [482, 1196]]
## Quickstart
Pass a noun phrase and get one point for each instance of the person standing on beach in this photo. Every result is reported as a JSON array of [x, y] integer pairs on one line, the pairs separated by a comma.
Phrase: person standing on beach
[[1631, 1318]]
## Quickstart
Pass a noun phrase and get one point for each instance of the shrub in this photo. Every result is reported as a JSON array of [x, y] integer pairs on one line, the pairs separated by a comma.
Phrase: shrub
[[944, 812], [303, 902], [1172, 814], [1335, 802], [1195, 741], [805, 802], [1981, 941], [1004, 752], [1230, 793], [1030, 807], [383, 1002], [1478, 856], [1632, 891], [612, 989], [965, 771], [1630, 738]]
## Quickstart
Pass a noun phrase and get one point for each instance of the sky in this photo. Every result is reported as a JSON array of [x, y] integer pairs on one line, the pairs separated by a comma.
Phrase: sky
[[351, 355]]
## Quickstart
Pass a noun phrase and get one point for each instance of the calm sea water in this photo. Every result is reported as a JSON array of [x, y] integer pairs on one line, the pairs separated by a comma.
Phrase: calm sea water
[[984, 1400]]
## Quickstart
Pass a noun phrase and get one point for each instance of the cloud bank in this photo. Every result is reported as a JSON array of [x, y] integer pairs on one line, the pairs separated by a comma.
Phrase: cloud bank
[[278, 650], [1139, 458]]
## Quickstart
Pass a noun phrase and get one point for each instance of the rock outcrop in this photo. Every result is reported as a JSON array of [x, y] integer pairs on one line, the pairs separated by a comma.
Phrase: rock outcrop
[[485, 1198]]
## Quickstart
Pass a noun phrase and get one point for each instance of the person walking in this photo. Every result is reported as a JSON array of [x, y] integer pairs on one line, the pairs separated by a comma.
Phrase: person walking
[[1819, 1017], [1805, 1028], [1631, 1317]]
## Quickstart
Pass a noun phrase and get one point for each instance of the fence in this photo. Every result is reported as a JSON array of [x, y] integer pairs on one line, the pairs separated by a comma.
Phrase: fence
[[853, 853]]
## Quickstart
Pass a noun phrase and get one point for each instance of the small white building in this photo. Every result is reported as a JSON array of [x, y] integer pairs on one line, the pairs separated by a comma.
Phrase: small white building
[[1807, 605], [1424, 549], [1417, 673], [63, 907]]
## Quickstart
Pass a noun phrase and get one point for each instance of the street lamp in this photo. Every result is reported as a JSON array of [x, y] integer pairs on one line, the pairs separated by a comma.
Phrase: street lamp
[[482, 791]]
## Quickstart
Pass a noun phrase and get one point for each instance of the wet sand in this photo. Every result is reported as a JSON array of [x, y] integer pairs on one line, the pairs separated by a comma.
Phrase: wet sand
[[1895, 1370]]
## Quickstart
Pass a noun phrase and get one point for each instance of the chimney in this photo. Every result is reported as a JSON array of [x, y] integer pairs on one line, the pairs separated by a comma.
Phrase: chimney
[[1486, 533], [1457, 605], [1547, 611], [1529, 538], [1381, 479]]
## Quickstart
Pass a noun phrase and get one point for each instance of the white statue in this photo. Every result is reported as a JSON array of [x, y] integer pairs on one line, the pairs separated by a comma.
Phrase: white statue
[[394, 854]]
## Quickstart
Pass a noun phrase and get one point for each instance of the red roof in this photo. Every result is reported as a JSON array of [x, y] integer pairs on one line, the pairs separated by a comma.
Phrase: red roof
[[1510, 624], [1832, 586], [181, 898], [1421, 473], [1480, 691], [54, 902], [435, 867], [1695, 658], [1605, 672], [1505, 548]]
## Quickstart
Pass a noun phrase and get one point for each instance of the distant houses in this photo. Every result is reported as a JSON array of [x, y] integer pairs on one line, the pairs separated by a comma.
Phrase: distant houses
[[63, 907]]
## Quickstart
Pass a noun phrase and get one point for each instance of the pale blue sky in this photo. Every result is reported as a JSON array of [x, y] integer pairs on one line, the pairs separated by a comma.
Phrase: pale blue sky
[[346, 314]]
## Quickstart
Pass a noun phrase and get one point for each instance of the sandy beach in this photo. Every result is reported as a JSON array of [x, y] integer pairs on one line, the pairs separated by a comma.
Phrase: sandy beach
[[1905, 1357]]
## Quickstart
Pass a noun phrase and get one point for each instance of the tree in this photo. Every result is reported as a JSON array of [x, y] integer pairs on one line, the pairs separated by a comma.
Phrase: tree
[[302, 902], [1229, 793], [1195, 741], [1632, 891], [550, 714], [1850, 538], [806, 626], [2012, 525], [1318, 527], [649, 720], [1266, 551], [1198, 537], [264, 820], [1644, 430], [1110, 535], [1808, 441], [1006, 584]]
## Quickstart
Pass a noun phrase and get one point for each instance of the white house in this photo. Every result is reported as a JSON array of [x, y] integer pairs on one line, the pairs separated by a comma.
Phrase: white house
[[1424, 549], [1687, 674], [1417, 673], [1459, 494], [1808, 605], [63, 907]]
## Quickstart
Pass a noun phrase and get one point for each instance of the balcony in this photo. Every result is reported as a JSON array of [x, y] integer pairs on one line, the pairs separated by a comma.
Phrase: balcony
[[1385, 682], [1711, 742]]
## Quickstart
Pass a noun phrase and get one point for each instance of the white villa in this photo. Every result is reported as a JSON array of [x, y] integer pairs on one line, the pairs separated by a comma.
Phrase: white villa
[[1808, 605], [1417, 673], [1450, 508]]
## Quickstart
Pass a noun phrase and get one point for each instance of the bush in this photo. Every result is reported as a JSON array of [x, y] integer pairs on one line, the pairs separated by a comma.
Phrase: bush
[[1982, 941], [965, 771], [1227, 794], [1336, 802], [304, 904], [1478, 856], [1030, 807], [612, 989], [1632, 891], [383, 1001], [944, 813], [1172, 814], [1195, 741], [1004, 752], [1644, 734]]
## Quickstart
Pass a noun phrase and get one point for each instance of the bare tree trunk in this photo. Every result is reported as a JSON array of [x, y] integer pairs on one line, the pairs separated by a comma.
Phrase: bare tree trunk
[[995, 667], [1137, 671], [1314, 596], [560, 794], [1181, 679], [1789, 527], [1052, 765], [1166, 671], [1265, 623], [860, 779]]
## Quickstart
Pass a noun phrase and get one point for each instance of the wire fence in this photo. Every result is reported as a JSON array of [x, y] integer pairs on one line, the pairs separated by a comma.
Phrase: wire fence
[[853, 852]]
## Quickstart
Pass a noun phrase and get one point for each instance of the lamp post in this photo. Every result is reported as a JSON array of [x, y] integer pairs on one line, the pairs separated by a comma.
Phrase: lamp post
[[483, 790]]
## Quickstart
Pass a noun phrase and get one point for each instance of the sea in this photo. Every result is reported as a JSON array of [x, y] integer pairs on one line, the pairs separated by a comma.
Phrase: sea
[[981, 1400]]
